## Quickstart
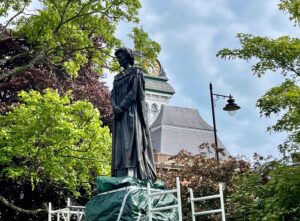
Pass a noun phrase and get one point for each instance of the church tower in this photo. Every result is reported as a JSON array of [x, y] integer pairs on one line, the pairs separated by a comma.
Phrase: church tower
[[175, 128], [158, 91]]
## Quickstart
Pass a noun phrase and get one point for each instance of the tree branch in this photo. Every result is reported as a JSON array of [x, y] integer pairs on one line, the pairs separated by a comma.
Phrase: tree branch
[[3, 61], [62, 21], [5, 202], [78, 16], [6, 39], [291, 68], [17, 70], [85, 158], [67, 51], [16, 15], [62, 17]]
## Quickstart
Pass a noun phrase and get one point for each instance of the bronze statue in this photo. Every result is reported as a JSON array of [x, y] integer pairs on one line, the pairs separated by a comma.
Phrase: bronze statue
[[132, 153]]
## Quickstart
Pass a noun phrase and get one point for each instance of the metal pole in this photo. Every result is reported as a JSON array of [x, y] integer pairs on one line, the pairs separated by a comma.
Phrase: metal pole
[[49, 212], [214, 121], [69, 208], [192, 204], [222, 201], [178, 199], [149, 202]]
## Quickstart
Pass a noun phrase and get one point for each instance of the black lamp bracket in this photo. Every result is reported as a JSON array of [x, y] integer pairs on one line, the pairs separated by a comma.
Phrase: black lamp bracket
[[217, 96]]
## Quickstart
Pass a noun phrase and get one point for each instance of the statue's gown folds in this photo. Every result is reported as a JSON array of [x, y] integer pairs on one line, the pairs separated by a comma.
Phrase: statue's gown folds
[[132, 152]]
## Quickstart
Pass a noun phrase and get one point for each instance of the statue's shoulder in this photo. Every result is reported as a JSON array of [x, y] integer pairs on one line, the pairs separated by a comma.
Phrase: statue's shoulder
[[118, 76], [137, 70]]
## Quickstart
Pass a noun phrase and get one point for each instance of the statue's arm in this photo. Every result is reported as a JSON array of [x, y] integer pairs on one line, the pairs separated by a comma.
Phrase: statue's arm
[[112, 98], [131, 96], [141, 88], [116, 108]]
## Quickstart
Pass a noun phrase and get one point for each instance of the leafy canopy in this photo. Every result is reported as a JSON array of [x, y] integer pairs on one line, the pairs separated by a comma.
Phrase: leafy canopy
[[269, 191], [73, 32], [49, 137], [281, 54], [203, 175], [272, 54], [50, 141]]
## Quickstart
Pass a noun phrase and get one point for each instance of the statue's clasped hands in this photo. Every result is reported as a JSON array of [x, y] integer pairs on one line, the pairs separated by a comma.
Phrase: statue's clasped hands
[[118, 112]]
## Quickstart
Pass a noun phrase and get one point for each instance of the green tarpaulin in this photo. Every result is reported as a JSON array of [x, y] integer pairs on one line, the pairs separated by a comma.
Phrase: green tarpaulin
[[125, 199]]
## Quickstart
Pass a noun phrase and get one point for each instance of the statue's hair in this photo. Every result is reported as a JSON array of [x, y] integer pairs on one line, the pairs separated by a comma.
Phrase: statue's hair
[[128, 52]]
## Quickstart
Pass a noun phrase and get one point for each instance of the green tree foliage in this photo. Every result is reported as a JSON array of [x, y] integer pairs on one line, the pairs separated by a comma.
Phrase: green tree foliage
[[47, 75], [53, 146], [281, 54], [47, 136], [285, 97], [203, 175], [292, 7], [269, 191], [146, 59], [62, 45], [50, 148], [73, 32]]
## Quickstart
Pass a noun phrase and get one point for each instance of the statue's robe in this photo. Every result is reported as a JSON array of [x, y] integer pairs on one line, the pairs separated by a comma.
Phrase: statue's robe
[[132, 153]]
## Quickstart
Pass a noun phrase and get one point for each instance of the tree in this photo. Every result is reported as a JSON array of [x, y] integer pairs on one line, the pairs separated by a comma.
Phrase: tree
[[62, 45], [265, 190], [86, 86], [269, 191], [72, 33], [281, 54], [60, 40], [203, 175], [47, 141]]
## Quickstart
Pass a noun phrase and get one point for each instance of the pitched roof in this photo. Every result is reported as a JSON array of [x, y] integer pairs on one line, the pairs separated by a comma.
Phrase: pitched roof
[[181, 117], [158, 84], [179, 128]]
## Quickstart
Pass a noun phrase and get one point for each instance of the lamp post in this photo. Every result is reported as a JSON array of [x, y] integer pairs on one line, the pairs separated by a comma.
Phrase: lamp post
[[231, 107]]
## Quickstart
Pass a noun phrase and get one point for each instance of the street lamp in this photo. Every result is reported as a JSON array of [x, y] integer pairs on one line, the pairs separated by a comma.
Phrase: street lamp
[[231, 107]]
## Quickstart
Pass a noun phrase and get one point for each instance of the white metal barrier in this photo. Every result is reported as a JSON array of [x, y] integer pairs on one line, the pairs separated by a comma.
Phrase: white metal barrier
[[66, 213], [152, 193], [220, 196]]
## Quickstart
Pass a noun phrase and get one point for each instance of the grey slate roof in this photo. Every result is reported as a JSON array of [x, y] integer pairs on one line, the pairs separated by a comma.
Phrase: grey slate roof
[[182, 117], [158, 84], [178, 128]]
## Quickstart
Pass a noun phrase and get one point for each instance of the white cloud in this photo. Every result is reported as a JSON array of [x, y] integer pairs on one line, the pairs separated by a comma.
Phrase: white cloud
[[190, 33], [206, 8]]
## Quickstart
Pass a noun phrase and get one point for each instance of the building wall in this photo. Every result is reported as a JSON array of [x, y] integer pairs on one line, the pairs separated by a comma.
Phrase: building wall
[[154, 101]]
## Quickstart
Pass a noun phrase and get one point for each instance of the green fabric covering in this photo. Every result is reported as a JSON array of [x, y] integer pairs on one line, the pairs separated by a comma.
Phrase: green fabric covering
[[105, 183], [107, 205]]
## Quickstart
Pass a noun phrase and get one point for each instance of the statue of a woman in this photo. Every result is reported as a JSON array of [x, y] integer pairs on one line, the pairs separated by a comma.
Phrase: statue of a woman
[[132, 153]]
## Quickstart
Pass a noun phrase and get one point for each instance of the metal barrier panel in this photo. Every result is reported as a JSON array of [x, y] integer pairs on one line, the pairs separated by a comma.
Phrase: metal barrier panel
[[178, 205], [220, 196], [66, 213]]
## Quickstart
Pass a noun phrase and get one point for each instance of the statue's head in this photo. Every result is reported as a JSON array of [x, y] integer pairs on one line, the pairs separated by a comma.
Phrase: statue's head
[[124, 56]]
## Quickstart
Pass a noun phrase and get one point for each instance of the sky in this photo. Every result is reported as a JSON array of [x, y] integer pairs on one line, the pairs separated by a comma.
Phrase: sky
[[190, 33]]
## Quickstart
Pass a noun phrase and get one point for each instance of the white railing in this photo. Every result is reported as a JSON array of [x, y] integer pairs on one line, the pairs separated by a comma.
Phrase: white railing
[[220, 196], [66, 213], [152, 192]]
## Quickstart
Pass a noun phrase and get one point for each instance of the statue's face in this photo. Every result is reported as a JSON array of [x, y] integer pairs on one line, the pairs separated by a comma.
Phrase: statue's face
[[123, 59]]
